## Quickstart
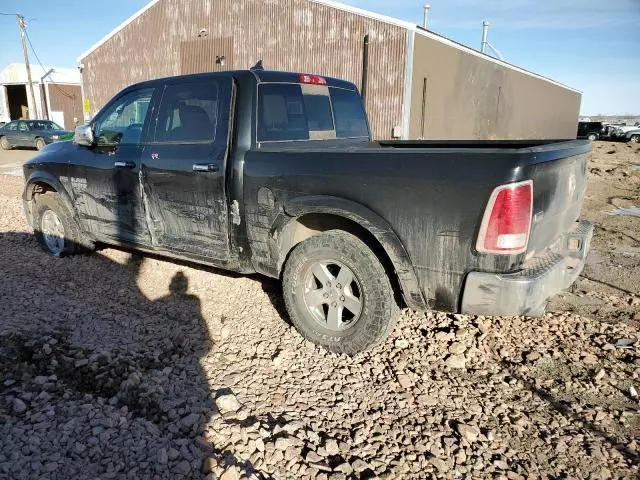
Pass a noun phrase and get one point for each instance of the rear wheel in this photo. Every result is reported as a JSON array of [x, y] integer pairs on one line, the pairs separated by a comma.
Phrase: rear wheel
[[635, 138], [55, 228], [592, 137], [338, 294], [40, 143], [5, 143]]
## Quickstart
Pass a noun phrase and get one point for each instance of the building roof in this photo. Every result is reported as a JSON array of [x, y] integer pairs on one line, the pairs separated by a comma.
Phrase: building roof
[[363, 13], [17, 73]]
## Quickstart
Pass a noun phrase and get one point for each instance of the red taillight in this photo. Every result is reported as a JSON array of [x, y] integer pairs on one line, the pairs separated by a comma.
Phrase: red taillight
[[507, 220], [313, 79]]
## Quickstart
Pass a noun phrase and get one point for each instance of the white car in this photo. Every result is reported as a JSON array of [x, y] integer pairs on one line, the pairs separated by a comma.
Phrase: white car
[[621, 130]]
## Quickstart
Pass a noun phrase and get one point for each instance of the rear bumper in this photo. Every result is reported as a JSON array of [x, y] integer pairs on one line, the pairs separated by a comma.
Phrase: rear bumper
[[526, 292]]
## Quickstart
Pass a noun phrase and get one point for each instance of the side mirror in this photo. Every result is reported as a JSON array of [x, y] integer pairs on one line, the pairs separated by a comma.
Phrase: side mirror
[[84, 136]]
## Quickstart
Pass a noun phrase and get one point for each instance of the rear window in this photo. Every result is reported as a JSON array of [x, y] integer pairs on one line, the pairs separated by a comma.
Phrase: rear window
[[308, 112]]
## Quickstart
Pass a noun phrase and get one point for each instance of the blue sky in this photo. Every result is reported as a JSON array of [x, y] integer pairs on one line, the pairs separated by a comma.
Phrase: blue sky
[[592, 45]]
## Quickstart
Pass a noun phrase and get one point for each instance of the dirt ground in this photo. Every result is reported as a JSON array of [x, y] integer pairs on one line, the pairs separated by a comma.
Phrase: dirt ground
[[114, 365]]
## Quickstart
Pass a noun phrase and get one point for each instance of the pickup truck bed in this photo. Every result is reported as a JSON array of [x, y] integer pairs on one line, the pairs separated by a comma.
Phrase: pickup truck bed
[[276, 173]]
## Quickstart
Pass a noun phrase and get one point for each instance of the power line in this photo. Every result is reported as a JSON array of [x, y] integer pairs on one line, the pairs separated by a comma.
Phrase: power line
[[10, 14], [44, 69]]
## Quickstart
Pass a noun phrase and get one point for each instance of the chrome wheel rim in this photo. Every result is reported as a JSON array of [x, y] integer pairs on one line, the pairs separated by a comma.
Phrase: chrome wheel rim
[[635, 139], [40, 144], [333, 295], [52, 232]]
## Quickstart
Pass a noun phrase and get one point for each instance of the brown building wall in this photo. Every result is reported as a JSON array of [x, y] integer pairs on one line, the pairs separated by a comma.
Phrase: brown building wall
[[293, 35], [468, 97], [67, 99]]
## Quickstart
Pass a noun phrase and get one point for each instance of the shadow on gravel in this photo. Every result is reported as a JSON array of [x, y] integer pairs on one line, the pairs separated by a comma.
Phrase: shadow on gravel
[[80, 329]]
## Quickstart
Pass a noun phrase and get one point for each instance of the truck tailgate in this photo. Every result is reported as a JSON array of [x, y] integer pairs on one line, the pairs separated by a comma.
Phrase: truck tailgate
[[558, 193]]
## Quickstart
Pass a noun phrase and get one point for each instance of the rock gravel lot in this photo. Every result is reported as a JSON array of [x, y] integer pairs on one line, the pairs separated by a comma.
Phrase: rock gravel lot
[[114, 365]]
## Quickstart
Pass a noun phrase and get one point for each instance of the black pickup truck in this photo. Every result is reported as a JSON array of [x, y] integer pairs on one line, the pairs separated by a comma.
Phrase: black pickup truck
[[276, 173]]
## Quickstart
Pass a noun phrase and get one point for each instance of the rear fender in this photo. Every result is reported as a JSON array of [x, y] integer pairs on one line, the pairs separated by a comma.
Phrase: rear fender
[[375, 225]]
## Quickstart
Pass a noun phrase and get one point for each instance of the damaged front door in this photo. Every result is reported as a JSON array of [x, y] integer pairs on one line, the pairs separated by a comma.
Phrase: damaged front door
[[184, 168], [105, 177]]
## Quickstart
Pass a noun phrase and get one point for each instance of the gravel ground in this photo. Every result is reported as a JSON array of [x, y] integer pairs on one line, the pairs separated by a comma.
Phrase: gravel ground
[[120, 366]]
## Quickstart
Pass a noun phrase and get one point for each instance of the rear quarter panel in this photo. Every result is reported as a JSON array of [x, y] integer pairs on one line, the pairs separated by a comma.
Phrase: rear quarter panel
[[434, 199]]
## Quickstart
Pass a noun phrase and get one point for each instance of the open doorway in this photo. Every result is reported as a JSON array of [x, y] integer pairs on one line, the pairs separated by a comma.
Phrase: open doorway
[[17, 100]]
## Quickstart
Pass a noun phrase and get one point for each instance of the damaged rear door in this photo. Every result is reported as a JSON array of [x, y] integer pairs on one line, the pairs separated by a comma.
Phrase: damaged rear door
[[184, 168]]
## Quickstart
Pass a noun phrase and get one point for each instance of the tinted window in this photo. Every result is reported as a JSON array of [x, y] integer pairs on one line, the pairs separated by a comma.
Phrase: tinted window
[[281, 113], [348, 113], [188, 113], [123, 120], [42, 125], [13, 126], [22, 126]]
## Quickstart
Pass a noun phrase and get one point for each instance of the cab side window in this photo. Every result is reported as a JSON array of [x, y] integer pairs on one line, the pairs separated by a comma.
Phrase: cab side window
[[188, 113], [123, 120]]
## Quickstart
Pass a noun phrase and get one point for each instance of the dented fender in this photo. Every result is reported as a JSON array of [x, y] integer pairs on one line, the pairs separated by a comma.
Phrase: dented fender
[[54, 182], [374, 224]]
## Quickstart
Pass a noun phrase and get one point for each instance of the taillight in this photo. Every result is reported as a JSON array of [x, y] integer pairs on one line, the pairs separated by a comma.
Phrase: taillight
[[313, 79], [507, 220]]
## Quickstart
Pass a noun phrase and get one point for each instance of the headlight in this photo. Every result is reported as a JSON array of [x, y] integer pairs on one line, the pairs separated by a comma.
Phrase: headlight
[[55, 137]]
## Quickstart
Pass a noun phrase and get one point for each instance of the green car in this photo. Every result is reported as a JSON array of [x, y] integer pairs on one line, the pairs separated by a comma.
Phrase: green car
[[32, 133]]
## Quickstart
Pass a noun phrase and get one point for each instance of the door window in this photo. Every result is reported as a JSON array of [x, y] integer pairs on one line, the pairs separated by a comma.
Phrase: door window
[[13, 126], [23, 127], [123, 120], [188, 113]]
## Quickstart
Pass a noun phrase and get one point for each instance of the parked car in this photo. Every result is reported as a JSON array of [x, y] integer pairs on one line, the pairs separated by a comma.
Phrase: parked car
[[276, 173], [32, 133], [620, 132], [632, 136], [590, 130]]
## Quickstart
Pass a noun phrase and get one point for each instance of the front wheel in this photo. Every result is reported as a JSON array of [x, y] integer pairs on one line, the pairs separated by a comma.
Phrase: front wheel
[[55, 228], [5, 143], [40, 143], [592, 137], [338, 294], [635, 138]]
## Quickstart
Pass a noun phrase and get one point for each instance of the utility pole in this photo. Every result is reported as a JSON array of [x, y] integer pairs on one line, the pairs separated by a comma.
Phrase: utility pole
[[22, 25]]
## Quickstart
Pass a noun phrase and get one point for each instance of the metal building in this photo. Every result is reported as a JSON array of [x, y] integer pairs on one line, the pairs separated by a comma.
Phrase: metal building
[[57, 93], [418, 84]]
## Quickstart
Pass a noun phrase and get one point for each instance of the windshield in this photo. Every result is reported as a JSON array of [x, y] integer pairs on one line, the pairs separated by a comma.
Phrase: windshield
[[43, 125]]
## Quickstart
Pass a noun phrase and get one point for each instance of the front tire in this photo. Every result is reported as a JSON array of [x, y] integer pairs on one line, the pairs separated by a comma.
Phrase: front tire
[[592, 137], [40, 143], [54, 226], [635, 139], [338, 294], [5, 143]]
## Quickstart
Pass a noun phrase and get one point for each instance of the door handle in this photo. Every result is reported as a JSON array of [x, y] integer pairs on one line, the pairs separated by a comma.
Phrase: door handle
[[124, 164], [205, 167]]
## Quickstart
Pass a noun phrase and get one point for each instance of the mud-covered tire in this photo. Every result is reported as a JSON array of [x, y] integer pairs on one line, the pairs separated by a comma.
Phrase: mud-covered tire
[[39, 143], [379, 310], [74, 240], [4, 143]]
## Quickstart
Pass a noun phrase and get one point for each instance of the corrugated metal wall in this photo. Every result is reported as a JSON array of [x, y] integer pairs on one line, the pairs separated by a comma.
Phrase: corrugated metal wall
[[293, 35], [67, 99], [469, 97]]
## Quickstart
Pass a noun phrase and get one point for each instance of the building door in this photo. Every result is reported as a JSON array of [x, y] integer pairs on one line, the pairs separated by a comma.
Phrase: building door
[[206, 55], [17, 99]]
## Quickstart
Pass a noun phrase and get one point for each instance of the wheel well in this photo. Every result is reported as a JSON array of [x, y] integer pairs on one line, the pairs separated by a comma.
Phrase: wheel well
[[309, 225], [38, 188]]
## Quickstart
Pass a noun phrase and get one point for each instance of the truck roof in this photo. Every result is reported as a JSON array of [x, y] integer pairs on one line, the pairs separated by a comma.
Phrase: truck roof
[[263, 76]]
